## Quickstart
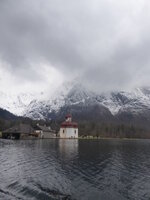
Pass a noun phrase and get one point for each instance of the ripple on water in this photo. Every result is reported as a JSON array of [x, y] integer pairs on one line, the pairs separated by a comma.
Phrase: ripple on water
[[72, 169]]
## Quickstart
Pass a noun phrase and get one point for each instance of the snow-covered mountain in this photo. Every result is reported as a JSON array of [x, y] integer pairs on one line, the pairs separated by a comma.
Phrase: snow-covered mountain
[[135, 101], [75, 97], [16, 103]]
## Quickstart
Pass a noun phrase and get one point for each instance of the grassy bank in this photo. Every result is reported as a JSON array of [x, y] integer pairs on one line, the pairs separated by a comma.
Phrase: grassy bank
[[110, 138]]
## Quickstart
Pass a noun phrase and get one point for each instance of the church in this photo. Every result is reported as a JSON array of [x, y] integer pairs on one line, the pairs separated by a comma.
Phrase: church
[[68, 128]]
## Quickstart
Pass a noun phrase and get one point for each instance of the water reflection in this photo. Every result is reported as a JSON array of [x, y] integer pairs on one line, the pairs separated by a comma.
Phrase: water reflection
[[68, 149]]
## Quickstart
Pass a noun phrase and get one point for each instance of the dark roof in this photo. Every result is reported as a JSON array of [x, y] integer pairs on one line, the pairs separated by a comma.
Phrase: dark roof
[[20, 128], [44, 128]]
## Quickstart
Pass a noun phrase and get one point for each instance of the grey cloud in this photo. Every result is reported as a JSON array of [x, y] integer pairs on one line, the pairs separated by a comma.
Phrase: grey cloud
[[105, 43]]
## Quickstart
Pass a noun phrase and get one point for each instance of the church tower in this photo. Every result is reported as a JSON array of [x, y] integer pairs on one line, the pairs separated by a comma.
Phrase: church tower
[[68, 128]]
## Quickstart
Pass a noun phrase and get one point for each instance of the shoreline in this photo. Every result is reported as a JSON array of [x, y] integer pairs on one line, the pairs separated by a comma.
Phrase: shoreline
[[80, 138], [114, 138]]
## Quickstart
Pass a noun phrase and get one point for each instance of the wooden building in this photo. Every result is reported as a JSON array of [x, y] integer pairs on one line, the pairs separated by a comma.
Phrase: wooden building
[[20, 131]]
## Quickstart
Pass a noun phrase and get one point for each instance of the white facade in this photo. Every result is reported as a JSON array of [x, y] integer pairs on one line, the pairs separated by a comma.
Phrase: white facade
[[45, 132], [68, 128], [48, 135], [68, 132]]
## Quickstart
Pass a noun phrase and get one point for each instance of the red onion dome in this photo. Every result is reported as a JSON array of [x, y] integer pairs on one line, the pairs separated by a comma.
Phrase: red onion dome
[[69, 125]]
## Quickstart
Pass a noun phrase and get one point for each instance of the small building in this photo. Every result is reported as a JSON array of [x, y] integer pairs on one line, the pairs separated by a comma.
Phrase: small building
[[68, 128], [20, 131], [45, 132]]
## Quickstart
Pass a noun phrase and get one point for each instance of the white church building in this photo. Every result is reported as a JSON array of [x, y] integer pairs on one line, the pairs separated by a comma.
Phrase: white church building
[[68, 128]]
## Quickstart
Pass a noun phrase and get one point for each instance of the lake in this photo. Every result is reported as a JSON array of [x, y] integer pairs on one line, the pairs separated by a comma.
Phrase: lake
[[75, 169]]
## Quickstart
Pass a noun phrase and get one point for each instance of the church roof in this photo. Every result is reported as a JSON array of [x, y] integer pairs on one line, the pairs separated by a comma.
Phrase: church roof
[[69, 125]]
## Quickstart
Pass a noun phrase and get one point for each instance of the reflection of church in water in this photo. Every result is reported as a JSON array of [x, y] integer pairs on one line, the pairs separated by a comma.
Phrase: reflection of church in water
[[68, 128], [68, 149]]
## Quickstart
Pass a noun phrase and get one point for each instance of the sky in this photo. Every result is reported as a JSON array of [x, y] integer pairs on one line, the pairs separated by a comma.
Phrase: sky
[[103, 43]]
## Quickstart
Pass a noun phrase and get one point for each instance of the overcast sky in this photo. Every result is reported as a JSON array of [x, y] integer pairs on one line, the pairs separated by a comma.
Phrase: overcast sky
[[105, 43]]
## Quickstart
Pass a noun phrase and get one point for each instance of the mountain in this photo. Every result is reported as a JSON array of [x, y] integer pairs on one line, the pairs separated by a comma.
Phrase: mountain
[[124, 114], [6, 115], [71, 97], [84, 104], [16, 103]]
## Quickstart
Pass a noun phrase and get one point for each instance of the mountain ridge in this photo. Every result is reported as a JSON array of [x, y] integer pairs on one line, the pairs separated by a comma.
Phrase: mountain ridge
[[76, 98]]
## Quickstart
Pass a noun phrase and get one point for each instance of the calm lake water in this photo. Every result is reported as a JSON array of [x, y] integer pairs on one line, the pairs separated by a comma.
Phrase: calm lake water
[[77, 170]]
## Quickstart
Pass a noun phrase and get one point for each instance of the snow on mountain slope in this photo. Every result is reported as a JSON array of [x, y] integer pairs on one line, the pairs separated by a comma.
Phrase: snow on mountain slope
[[39, 109], [15, 103], [40, 106], [76, 94], [134, 101]]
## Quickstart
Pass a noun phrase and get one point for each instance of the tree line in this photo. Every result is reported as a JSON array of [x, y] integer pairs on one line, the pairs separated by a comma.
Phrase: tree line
[[87, 128], [112, 130]]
